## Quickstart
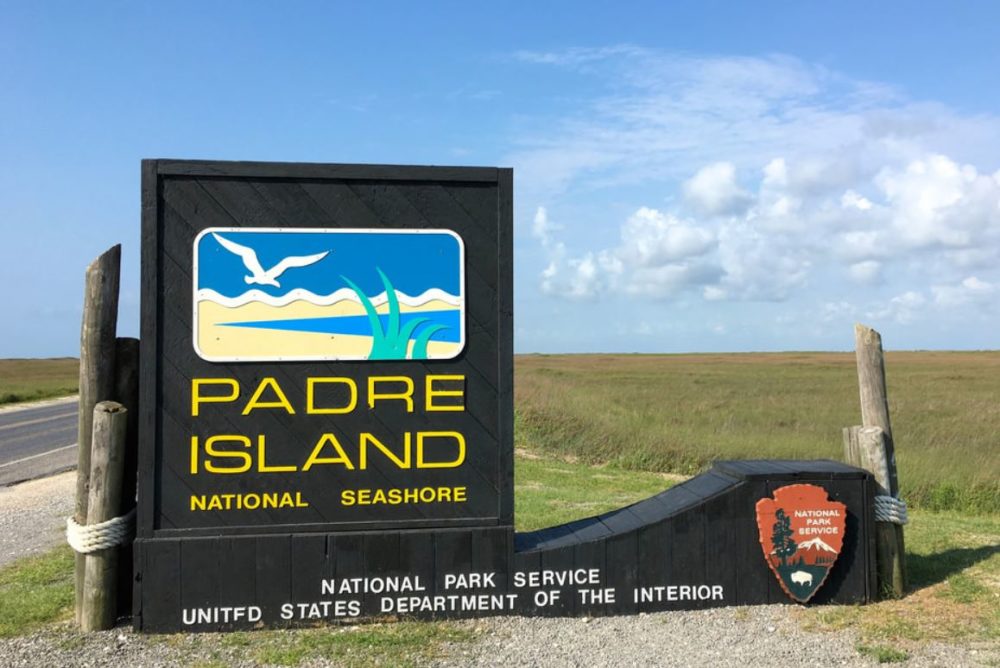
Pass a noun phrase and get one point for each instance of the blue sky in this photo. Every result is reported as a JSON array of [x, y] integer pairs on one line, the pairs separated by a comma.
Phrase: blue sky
[[704, 177]]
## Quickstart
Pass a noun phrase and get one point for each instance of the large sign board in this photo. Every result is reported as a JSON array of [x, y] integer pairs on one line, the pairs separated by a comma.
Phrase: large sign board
[[326, 422], [325, 347]]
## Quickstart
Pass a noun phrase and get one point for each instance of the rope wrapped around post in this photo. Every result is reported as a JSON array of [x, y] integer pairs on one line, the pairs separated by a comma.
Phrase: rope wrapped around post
[[890, 509], [89, 538]]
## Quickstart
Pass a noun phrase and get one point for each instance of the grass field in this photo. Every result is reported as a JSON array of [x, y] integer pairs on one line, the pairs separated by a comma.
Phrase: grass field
[[677, 413], [31, 379]]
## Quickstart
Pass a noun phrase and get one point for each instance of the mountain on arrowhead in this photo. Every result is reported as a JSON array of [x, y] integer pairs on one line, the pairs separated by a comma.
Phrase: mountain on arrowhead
[[816, 544]]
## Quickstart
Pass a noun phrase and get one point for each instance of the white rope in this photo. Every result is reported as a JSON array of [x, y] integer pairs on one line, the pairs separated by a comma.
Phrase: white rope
[[87, 538], [890, 509]]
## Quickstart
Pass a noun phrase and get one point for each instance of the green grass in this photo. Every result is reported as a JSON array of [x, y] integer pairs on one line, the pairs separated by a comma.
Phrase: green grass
[[953, 569], [883, 654], [33, 379], [550, 492], [35, 591], [677, 413]]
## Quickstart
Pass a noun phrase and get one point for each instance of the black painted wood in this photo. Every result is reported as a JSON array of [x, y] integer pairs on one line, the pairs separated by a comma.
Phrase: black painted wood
[[754, 581], [653, 562], [622, 571], [505, 342], [848, 582], [452, 553], [182, 198], [274, 568], [236, 568], [301, 171], [708, 484], [157, 608], [310, 567], [704, 554], [149, 345], [199, 573], [622, 521], [787, 469]]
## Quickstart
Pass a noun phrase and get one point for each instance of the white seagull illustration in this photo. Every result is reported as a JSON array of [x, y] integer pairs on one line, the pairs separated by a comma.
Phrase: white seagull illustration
[[269, 277]]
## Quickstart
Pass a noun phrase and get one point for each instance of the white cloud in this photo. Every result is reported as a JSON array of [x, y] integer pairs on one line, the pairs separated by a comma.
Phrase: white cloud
[[934, 206], [541, 228], [657, 256], [575, 57], [669, 280], [776, 173], [766, 180], [651, 238], [851, 199], [758, 266], [864, 244], [666, 112], [937, 202], [970, 290], [836, 311], [713, 190], [903, 309], [867, 272], [576, 278], [713, 293]]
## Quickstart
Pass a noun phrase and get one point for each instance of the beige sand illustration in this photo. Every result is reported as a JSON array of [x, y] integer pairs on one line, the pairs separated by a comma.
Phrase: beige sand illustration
[[215, 341]]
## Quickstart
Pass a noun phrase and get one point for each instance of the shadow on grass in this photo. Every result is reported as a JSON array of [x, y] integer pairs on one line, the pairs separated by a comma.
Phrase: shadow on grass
[[924, 570]]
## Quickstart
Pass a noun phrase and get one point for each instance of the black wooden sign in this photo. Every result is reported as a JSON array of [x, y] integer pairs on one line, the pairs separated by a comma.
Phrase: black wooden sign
[[326, 347], [327, 421]]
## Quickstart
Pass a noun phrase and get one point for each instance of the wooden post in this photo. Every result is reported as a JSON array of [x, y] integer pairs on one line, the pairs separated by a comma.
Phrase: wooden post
[[879, 458], [127, 394], [874, 397], [852, 453], [97, 373], [872, 449], [100, 582]]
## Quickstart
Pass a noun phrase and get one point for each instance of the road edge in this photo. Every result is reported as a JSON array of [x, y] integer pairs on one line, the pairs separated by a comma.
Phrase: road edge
[[27, 405]]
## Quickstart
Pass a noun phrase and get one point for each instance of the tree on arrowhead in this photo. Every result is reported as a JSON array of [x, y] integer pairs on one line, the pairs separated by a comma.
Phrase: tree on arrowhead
[[781, 537]]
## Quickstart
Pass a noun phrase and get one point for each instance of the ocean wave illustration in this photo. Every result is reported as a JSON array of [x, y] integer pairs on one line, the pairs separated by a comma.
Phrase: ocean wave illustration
[[343, 294]]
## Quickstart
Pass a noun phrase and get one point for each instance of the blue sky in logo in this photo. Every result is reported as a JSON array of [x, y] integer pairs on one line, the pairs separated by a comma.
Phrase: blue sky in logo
[[413, 262]]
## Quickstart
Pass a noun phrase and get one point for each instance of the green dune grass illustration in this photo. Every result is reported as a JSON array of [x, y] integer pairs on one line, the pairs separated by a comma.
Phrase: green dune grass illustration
[[392, 342]]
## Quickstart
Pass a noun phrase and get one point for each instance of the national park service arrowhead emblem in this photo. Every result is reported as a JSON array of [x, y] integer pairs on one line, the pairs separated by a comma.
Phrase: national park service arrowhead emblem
[[801, 533]]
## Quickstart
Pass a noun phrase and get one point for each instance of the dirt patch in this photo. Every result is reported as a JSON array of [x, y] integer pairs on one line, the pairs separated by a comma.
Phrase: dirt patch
[[33, 515]]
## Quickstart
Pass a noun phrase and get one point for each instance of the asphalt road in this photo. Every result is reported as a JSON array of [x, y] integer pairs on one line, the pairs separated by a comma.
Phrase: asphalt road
[[37, 441]]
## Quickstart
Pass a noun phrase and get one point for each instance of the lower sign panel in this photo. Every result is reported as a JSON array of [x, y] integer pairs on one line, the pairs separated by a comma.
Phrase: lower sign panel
[[693, 546]]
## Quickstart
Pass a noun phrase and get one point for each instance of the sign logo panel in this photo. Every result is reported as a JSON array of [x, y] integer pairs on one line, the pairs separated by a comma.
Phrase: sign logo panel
[[297, 294], [802, 534]]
